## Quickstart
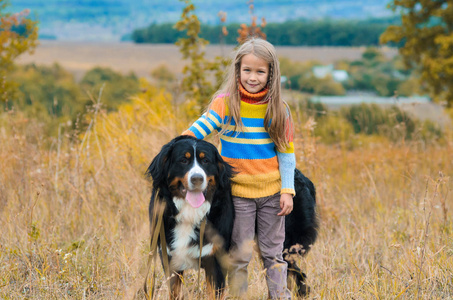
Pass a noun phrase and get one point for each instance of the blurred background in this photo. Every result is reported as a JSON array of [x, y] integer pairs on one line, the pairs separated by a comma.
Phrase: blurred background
[[330, 50], [91, 89]]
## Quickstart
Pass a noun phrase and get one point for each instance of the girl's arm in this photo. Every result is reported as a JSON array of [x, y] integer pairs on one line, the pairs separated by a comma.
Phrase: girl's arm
[[209, 121], [287, 160], [286, 166]]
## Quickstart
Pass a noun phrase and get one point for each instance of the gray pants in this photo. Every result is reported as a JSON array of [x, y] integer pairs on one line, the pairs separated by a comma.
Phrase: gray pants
[[271, 235]]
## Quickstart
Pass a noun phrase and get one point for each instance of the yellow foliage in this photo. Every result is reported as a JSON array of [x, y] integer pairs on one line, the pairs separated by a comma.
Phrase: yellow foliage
[[139, 128], [13, 43], [335, 130], [427, 38]]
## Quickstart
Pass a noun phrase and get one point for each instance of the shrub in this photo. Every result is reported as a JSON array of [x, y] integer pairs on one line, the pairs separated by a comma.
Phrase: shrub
[[321, 86], [117, 87], [393, 123], [334, 129], [365, 118]]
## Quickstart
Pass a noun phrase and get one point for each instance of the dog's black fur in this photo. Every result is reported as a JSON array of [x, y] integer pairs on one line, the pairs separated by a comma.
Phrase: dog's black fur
[[169, 173], [301, 229]]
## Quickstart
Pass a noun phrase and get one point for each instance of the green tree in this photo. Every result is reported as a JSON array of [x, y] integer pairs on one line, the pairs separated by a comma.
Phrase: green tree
[[198, 80], [426, 32], [18, 34]]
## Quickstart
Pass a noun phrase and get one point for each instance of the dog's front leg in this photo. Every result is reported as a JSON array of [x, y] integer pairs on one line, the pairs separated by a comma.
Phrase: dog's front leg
[[176, 292], [215, 278]]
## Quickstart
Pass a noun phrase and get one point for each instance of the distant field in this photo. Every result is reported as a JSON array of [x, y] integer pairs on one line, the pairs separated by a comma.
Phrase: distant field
[[78, 57]]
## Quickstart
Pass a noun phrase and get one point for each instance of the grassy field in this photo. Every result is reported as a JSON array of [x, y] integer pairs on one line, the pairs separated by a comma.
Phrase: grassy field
[[79, 57], [74, 225]]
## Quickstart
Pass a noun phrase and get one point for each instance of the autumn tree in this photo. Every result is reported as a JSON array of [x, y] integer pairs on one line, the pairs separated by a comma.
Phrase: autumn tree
[[201, 76], [18, 34], [253, 30], [426, 34]]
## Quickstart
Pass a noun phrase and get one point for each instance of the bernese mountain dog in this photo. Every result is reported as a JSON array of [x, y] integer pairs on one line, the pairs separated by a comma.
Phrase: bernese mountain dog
[[193, 182]]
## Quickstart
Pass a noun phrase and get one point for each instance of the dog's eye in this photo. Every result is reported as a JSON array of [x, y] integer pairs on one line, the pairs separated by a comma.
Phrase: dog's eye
[[184, 161], [205, 161]]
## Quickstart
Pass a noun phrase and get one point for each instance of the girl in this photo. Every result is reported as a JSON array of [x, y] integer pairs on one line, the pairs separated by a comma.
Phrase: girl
[[256, 138]]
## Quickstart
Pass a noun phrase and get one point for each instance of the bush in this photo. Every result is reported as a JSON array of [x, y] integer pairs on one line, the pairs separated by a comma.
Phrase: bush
[[308, 108], [430, 131], [117, 87], [392, 122], [321, 86], [365, 118], [49, 94], [334, 129]]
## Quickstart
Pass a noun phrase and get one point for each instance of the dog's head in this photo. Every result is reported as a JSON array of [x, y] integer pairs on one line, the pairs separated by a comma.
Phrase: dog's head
[[191, 169]]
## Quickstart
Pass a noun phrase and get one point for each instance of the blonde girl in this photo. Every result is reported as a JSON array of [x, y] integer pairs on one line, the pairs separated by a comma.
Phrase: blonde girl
[[256, 137]]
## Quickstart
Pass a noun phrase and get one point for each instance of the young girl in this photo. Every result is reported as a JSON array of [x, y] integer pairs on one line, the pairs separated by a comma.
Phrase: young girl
[[256, 138]]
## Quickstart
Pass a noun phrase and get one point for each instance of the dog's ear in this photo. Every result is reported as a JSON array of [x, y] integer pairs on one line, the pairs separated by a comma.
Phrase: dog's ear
[[158, 168]]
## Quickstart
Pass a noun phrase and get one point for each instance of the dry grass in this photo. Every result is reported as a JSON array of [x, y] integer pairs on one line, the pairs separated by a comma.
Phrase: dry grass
[[74, 225]]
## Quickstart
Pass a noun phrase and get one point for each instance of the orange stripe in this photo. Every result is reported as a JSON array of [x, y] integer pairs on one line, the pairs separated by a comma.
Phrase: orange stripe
[[253, 166], [218, 105], [188, 132]]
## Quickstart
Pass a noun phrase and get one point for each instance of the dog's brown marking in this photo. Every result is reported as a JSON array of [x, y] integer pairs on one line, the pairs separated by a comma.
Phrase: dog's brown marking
[[174, 186], [185, 180], [188, 155], [202, 155], [211, 187]]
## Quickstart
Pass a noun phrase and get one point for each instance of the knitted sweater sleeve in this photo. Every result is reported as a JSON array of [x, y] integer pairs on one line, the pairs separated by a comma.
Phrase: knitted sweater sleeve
[[287, 164], [210, 121]]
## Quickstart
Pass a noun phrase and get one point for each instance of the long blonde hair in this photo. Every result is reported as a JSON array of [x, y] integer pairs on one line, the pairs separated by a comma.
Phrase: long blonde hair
[[277, 109]]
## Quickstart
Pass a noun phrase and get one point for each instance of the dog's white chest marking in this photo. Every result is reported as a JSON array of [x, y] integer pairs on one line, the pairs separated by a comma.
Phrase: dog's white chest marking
[[185, 255]]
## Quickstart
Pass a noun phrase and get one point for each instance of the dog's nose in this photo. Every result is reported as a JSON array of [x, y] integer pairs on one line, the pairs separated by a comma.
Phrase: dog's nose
[[196, 179]]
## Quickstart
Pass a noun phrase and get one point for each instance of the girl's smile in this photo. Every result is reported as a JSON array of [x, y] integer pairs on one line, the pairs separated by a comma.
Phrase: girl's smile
[[254, 73]]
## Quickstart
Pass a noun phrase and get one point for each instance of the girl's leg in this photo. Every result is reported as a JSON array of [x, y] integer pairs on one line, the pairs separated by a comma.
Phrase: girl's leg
[[271, 235], [242, 243]]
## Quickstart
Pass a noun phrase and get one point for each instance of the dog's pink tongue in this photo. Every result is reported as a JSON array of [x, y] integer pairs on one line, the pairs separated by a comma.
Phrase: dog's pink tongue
[[195, 199]]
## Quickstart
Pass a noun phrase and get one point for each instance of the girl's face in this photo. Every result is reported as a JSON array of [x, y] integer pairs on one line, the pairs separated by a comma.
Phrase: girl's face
[[254, 73]]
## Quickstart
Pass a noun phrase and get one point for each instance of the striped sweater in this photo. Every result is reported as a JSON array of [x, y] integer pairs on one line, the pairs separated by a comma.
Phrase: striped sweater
[[262, 170]]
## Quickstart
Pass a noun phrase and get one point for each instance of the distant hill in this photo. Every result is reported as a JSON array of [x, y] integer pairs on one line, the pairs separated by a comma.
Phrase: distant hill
[[111, 19]]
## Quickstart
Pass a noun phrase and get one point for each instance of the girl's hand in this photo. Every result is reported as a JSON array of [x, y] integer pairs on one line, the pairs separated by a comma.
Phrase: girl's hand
[[286, 204]]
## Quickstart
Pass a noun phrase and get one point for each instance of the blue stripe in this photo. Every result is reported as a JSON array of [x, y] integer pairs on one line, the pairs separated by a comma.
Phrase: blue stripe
[[247, 151], [248, 135], [216, 115], [249, 122], [202, 124], [197, 133], [211, 122]]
